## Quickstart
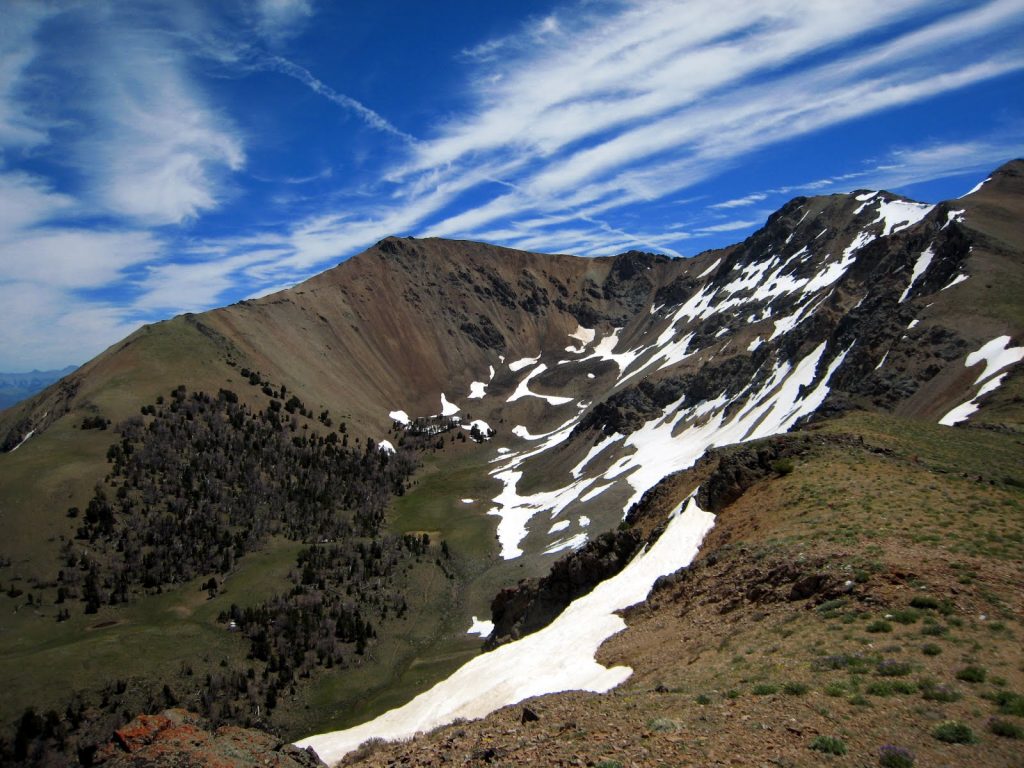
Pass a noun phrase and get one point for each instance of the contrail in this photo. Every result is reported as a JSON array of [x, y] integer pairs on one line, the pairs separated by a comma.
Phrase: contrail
[[303, 75]]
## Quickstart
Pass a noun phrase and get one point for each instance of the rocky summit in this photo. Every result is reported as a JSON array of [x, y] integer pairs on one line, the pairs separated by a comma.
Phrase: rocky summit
[[757, 506]]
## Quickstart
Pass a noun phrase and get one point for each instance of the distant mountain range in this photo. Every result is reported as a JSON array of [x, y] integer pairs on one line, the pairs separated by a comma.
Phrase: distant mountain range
[[287, 513], [15, 387]]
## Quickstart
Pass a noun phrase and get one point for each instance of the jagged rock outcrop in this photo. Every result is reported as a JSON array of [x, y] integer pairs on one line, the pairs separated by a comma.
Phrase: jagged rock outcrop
[[533, 604], [176, 738]]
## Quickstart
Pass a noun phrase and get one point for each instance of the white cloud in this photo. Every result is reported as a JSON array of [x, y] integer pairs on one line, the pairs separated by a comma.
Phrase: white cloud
[[279, 19], [26, 200], [45, 327], [740, 202], [18, 127], [731, 226], [158, 151]]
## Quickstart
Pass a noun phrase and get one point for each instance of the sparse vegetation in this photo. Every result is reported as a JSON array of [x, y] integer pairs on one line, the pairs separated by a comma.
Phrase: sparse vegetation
[[829, 745], [954, 732]]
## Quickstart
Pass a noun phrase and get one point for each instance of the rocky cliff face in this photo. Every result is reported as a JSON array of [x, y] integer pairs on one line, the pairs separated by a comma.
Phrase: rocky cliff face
[[176, 738]]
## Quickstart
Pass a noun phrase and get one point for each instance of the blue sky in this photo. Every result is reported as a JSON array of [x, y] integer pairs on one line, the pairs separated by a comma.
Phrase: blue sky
[[157, 158]]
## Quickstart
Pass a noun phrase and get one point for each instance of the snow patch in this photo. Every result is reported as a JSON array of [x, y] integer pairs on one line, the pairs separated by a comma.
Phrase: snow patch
[[386, 446], [400, 416], [559, 657], [447, 408], [561, 525], [584, 520], [996, 354], [955, 281], [924, 261], [583, 335], [467, 501], [975, 188], [523, 390], [480, 627], [897, 215], [477, 390], [23, 440], [523, 362], [575, 541], [754, 344], [710, 269]]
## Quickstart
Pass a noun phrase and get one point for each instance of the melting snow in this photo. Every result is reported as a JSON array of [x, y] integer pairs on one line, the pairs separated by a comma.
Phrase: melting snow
[[23, 441], [559, 657], [913, 324], [976, 187], [952, 216], [386, 446], [882, 361], [955, 281], [575, 541], [477, 390], [523, 390], [604, 443], [482, 427], [584, 520], [515, 511], [754, 344], [400, 416], [518, 365], [583, 335], [924, 261], [467, 501], [997, 354], [561, 525], [710, 269], [480, 627], [900, 214], [447, 408]]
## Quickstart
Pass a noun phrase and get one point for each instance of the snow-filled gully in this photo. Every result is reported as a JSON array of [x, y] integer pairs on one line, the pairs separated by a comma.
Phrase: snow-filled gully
[[560, 657]]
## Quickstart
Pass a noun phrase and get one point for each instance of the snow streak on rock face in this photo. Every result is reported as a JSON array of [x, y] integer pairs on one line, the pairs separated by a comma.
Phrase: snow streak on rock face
[[559, 657], [996, 354]]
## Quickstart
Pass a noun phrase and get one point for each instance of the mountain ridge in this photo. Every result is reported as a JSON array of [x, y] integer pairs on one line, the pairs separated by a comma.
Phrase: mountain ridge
[[594, 379]]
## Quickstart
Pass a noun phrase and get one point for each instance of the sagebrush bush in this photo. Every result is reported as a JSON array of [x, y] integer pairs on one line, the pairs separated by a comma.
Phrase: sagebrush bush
[[1005, 728], [972, 674], [891, 756], [830, 745], [954, 732]]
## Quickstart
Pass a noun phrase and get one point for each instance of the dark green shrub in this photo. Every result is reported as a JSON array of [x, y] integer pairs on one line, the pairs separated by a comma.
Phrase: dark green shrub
[[1010, 703], [906, 616], [795, 689], [934, 630], [893, 668], [764, 689], [782, 466], [925, 602], [830, 745], [895, 757], [1005, 728], [879, 625], [972, 674], [954, 732], [931, 649], [703, 699], [931, 691]]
